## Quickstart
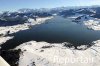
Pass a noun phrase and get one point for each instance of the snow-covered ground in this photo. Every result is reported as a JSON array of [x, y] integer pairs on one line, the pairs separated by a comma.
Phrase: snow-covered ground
[[89, 22], [92, 24], [46, 54], [4, 39], [75, 16], [16, 28]]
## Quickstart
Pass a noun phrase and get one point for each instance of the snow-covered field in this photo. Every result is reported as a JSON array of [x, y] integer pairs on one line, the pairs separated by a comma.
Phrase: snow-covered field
[[46, 54], [92, 24], [4, 39], [16, 28]]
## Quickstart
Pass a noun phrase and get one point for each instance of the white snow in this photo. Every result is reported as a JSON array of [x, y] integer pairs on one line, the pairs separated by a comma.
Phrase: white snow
[[38, 20], [92, 24], [58, 55], [19, 27], [75, 16], [4, 39]]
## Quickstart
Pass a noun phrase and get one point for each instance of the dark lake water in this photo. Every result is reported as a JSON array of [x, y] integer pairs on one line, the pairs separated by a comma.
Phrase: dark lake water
[[56, 30]]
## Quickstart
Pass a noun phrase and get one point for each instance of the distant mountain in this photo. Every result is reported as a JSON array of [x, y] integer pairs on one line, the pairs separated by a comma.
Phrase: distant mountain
[[24, 14]]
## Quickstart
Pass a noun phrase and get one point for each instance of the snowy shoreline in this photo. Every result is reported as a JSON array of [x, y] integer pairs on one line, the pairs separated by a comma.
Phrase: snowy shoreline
[[92, 24], [24, 26], [46, 54], [19, 27]]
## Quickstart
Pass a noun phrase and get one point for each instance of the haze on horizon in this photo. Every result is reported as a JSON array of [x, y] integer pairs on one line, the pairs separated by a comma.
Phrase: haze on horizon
[[12, 5]]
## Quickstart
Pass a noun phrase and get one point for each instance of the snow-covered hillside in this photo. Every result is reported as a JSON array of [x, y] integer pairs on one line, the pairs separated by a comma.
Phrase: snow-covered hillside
[[16, 28], [89, 22], [46, 54], [93, 24]]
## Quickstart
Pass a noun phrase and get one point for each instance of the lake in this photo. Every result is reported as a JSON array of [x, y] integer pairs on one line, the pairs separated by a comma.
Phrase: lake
[[55, 30]]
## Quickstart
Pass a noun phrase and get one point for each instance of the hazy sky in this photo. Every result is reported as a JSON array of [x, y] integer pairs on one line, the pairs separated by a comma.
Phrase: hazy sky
[[6, 5]]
